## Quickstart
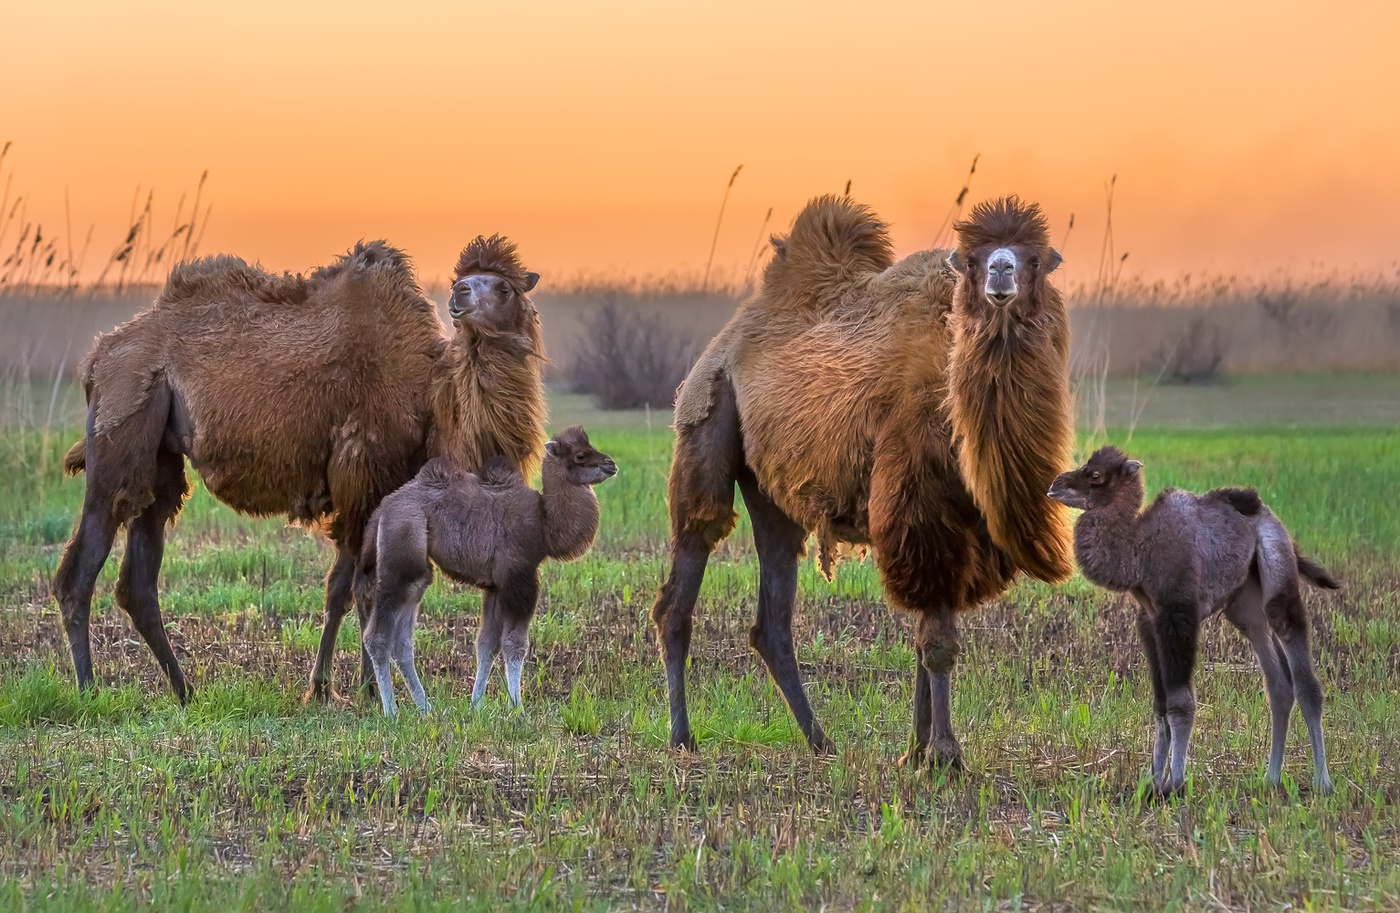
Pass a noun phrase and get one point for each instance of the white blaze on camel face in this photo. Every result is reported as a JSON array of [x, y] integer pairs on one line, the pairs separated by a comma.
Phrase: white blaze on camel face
[[1000, 287]]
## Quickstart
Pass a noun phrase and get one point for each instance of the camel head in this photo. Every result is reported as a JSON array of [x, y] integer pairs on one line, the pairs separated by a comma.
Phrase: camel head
[[1099, 481], [582, 463], [1003, 257], [490, 287]]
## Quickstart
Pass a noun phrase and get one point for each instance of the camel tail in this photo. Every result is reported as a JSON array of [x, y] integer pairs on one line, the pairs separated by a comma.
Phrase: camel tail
[[75, 461], [1316, 574]]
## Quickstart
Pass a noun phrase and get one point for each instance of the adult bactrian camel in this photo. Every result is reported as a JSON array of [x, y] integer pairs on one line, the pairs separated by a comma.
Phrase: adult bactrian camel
[[312, 396], [920, 408]]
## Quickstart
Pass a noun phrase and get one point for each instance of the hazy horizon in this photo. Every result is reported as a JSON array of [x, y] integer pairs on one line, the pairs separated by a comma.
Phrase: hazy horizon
[[1250, 139]]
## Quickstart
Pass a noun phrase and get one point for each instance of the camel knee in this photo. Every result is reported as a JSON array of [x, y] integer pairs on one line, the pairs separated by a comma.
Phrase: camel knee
[[937, 643], [675, 601], [769, 643], [940, 658], [515, 642], [379, 641], [1181, 706], [122, 593]]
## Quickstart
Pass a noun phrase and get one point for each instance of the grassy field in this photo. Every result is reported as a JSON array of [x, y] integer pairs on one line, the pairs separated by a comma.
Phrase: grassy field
[[248, 800]]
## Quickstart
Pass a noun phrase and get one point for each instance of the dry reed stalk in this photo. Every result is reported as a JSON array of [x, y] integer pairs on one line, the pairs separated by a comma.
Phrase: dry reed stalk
[[705, 282], [757, 244], [955, 210]]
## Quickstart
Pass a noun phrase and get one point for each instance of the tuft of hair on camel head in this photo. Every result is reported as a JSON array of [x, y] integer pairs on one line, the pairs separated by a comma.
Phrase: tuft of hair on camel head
[[1004, 252], [1099, 481], [498, 255], [490, 286], [583, 463]]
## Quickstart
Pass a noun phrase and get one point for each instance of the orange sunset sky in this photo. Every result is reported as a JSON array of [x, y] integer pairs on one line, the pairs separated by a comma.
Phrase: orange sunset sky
[[1247, 137]]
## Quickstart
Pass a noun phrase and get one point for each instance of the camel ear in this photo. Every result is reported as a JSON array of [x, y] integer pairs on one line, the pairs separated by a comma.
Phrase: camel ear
[[779, 246], [531, 280], [1053, 261], [955, 260], [1132, 467], [552, 448]]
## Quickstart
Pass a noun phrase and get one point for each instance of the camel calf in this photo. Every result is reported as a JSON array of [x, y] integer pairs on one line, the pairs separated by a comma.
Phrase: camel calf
[[489, 530], [1183, 559]]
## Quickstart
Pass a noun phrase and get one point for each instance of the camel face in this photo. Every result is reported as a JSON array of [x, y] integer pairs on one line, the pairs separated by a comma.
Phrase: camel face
[[489, 301], [585, 464], [1006, 275], [1096, 482], [1000, 287]]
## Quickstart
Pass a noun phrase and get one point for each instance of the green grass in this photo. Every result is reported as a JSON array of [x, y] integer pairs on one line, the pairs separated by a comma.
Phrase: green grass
[[248, 800]]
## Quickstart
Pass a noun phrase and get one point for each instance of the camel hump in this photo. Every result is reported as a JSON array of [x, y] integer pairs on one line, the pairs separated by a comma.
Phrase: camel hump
[[440, 472], [223, 274], [1244, 500], [500, 470], [834, 241], [378, 257]]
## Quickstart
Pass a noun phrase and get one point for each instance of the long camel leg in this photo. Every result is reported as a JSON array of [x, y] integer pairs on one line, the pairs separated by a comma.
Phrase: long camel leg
[[779, 540], [923, 717], [120, 466], [938, 647], [707, 460], [673, 615], [379, 642], [77, 577], [338, 592], [1162, 740], [515, 602], [1294, 648], [403, 645], [368, 680], [1246, 613], [137, 591], [488, 642], [1177, 628]]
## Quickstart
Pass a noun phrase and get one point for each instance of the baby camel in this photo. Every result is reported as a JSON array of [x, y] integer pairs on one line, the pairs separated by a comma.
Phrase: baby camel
[[490, 530], [1183, 559]]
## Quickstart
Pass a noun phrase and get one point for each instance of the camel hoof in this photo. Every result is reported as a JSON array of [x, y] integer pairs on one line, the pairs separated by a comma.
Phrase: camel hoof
[[1323, 785], [1164, 789], [946, 758], [320, 693], [914, 757], [822, 747], [685, 743]]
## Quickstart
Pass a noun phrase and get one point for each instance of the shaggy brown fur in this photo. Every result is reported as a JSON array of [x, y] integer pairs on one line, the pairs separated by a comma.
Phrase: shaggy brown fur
[[489, 530], [1183, 559], [311, 396], [882, 404]]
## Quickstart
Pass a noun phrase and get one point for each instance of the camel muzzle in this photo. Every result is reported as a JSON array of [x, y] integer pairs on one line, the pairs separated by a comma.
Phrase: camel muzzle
[[1061, 492]]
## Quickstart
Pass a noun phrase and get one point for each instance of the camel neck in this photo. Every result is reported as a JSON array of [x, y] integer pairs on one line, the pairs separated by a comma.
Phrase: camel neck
[[1008, 399], [1106, 541], [571, 514], [490, 400]]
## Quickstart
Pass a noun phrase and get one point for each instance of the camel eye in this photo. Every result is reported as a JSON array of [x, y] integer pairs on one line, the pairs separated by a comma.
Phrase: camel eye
[[1096, 477]]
